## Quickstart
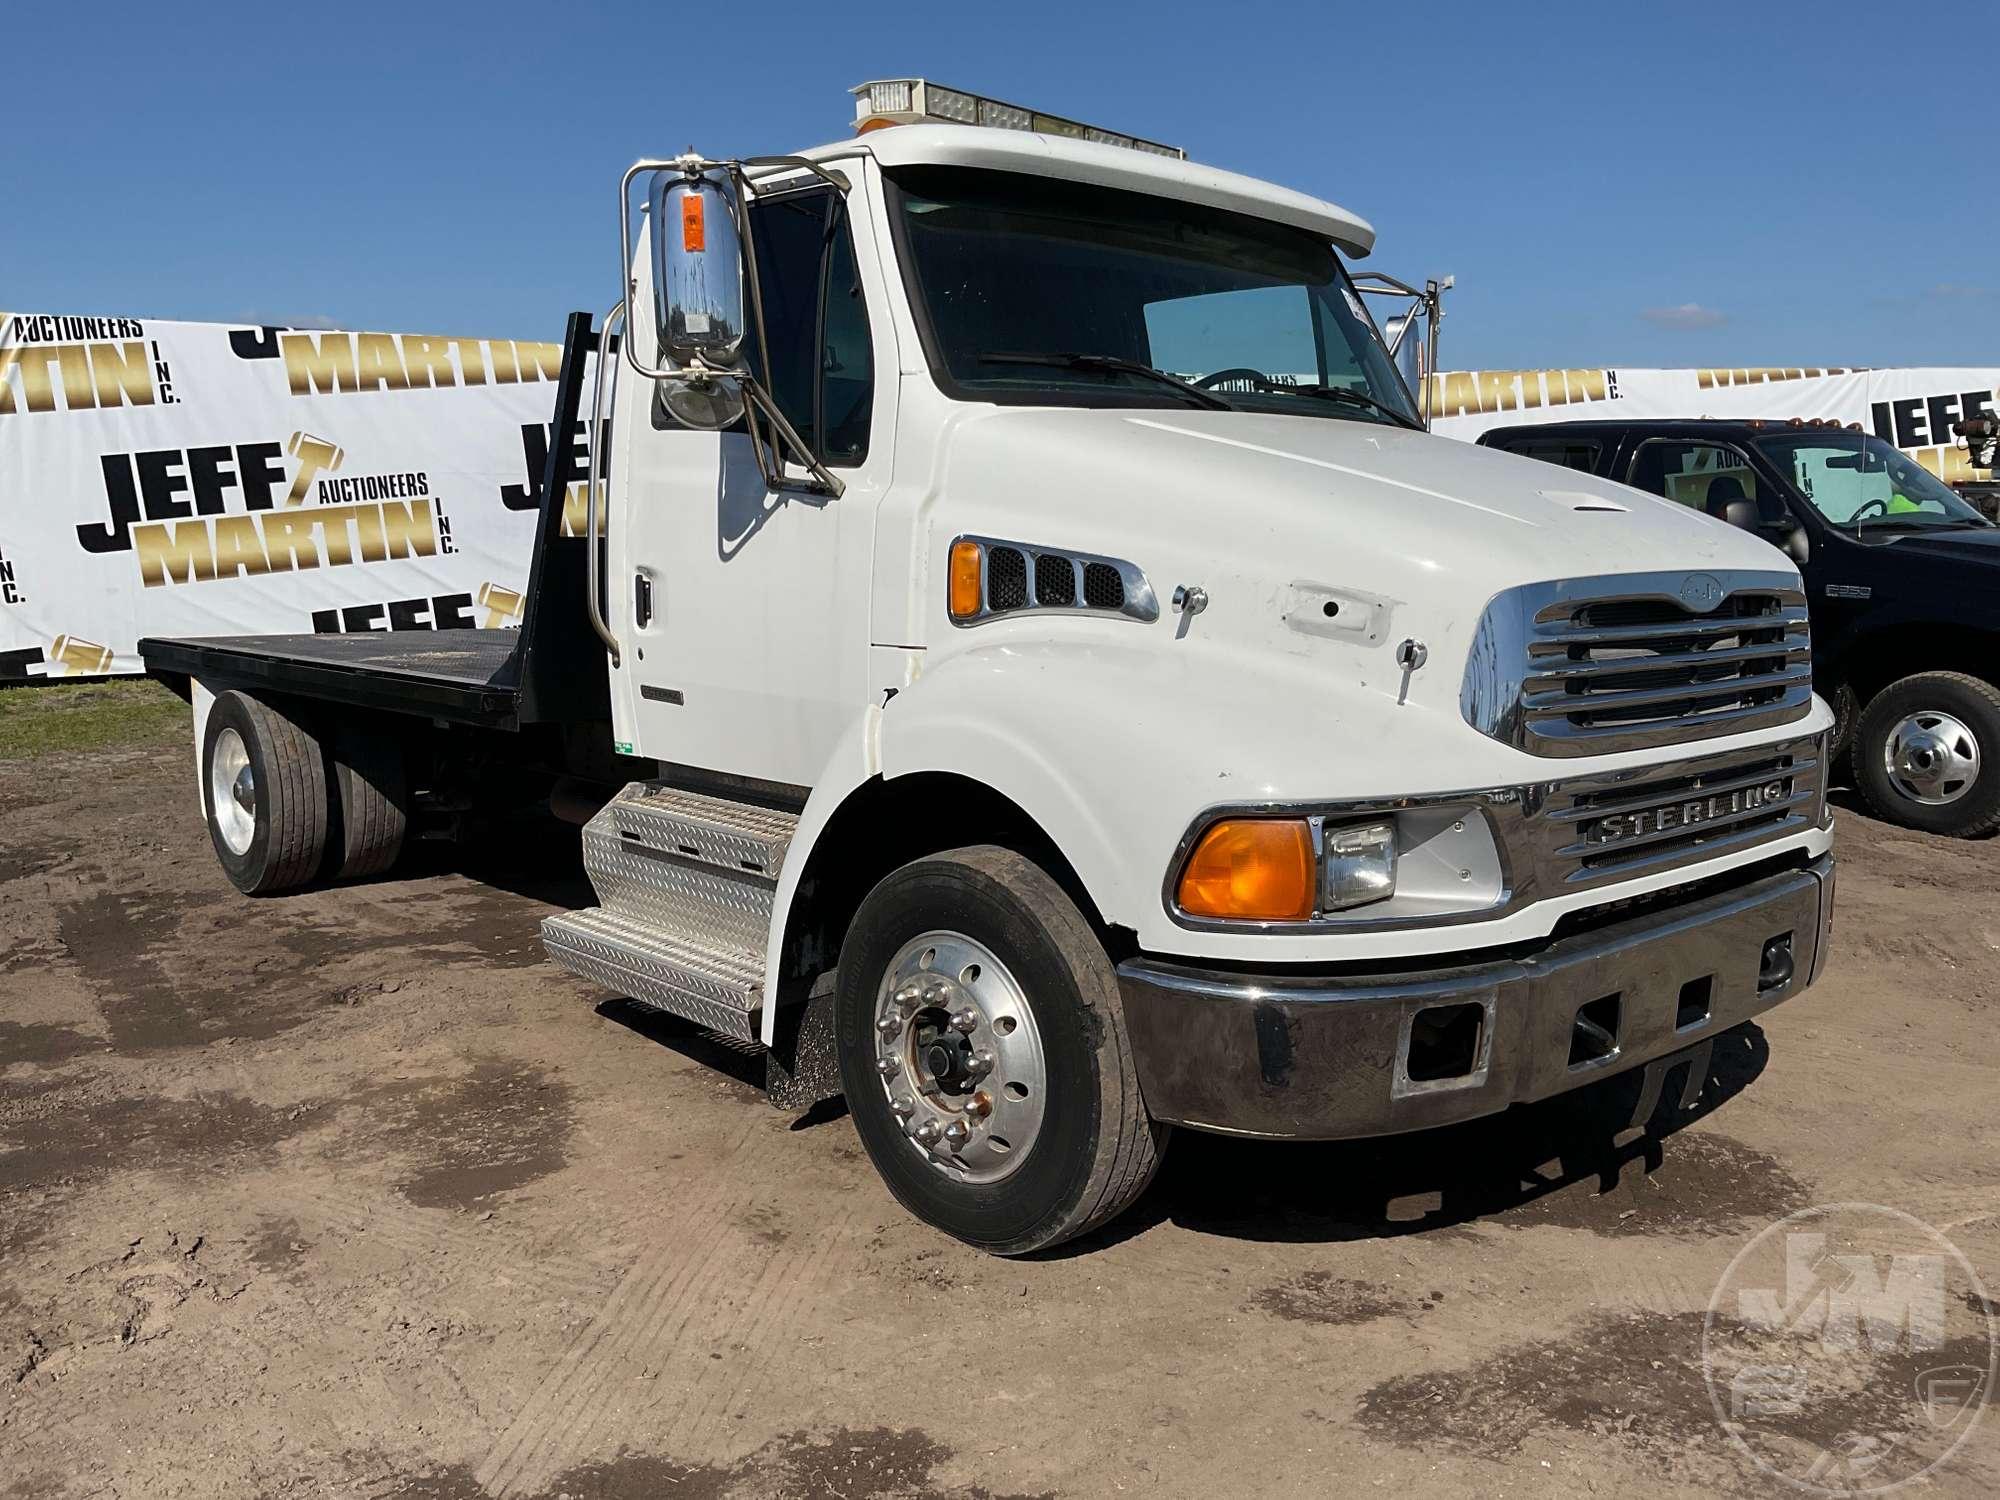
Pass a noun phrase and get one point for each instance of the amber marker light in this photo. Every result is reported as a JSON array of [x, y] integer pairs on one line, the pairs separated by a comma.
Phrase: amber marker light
[[964, 580], [1251, 869]]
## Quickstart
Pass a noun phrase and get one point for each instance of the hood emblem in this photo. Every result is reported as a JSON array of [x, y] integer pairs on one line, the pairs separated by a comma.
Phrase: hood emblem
[[1702, 591]]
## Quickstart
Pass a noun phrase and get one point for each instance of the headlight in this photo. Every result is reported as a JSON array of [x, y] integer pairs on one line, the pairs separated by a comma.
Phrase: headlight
[[1429, 862], [1357, 864]]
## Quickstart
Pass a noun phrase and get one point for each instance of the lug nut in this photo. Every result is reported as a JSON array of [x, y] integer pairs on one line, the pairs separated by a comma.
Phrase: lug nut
[[908, 996], [966, 1020], [901, 1108], [935, 993], [982, 1063], [928, 1132], [978, 1106], [890, 1025], [888, 1067], [956, 1134]]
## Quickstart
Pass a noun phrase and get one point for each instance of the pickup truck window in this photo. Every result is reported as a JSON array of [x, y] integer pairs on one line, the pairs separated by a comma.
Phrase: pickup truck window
[[822, 366], [1031, 290], [1572, 453], [1862, 483], [1702, 476]]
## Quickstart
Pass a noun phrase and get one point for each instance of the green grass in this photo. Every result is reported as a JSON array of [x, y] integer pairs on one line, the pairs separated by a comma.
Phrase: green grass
[[65, 717]]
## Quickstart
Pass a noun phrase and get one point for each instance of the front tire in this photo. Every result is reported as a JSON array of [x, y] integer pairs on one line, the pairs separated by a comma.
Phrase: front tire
[[264, 782], [1926, 754], [984, 1055]]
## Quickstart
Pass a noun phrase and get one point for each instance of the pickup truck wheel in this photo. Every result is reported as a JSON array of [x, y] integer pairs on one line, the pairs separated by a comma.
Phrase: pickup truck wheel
[[372, 803], [1927, 754], [984, 1055], [264, 779]]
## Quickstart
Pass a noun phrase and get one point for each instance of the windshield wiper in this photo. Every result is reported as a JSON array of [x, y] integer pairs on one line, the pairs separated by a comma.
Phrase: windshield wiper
[[1355, 398], [1111, 364]]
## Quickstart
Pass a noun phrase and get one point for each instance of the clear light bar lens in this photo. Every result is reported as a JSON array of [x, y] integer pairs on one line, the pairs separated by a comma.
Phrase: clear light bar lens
[[1004, 116], [893, 98], [950, 104]]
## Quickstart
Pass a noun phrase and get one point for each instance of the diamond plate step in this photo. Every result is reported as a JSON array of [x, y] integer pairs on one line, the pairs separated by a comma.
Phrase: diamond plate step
[[718, 987], [698, 869]]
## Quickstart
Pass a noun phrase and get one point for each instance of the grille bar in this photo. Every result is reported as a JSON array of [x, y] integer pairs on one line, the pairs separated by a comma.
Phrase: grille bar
[[1615, 700], [1694, 625], [1632, 666]]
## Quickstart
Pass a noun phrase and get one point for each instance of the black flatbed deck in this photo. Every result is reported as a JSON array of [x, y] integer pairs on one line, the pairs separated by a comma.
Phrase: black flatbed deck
[[549, 671], [466, 676]]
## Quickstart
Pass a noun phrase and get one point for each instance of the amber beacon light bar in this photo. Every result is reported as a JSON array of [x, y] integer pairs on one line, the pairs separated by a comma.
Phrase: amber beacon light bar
[[915, 101]]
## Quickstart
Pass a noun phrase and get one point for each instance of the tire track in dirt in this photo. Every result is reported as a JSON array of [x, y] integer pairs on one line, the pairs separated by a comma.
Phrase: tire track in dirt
[[661, 1292], [787, 1284]]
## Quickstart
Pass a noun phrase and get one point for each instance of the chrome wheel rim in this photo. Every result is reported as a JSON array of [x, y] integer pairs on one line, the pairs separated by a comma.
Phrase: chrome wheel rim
[[232, 791], [959, 1057], [1931, 758]]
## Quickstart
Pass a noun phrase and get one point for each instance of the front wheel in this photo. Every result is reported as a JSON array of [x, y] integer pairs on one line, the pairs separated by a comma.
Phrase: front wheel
[[984, 1055], [1927, 754]]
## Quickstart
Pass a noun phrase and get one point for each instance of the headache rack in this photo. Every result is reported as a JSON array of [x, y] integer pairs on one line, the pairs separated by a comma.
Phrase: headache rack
[[1594, 666]]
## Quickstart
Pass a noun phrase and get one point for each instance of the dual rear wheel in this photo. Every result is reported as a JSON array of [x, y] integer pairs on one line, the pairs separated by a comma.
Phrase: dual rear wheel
[[288, 802]]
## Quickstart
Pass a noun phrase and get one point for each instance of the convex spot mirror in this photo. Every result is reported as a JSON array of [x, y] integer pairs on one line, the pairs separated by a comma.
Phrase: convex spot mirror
[[698, 275]]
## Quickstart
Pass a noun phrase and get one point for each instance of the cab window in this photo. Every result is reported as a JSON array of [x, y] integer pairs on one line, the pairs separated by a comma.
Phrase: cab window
[[1701, 476], [821, 373]]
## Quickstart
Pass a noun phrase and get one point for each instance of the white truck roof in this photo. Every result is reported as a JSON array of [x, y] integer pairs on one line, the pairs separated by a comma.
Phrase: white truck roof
[[1104, 166]]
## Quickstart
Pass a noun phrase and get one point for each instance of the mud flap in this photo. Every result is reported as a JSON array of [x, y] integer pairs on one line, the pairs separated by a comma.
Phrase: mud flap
[[1696, 1058]]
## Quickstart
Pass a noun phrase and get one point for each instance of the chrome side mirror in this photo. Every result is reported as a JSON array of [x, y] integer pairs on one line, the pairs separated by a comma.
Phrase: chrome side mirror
[[698, 275]]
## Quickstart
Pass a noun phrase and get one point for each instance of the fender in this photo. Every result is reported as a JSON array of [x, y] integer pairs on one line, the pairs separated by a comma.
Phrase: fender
[[1051, 725], [854, 762]]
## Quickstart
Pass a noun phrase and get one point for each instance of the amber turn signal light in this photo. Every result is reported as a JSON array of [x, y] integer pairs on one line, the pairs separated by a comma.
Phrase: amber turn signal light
[[964, 580], [1251, 869]]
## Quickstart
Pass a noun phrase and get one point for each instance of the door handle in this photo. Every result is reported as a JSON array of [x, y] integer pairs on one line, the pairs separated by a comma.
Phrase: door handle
[[642, 599]]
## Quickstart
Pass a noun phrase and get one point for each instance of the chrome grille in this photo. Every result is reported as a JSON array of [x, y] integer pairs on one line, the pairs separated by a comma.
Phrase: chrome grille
[[1593, 666]]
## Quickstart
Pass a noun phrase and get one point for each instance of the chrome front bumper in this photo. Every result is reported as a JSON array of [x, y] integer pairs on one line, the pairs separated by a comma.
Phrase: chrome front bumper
[[1326, 1056]]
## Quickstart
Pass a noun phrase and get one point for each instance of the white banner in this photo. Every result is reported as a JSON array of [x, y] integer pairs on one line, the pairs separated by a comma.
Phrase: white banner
[[191, 479], [1912, 408]]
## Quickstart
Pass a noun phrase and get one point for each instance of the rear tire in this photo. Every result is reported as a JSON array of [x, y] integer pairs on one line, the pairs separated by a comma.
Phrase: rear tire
[[371, 803], [1926, 754], [1092, 1149], [265, 794]]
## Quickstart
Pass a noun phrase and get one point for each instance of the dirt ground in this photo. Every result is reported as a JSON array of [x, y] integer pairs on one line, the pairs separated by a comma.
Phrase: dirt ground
[[353, 1194]]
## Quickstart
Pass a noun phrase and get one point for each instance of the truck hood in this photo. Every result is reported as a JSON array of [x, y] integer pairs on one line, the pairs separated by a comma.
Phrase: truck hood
[[1377, 500], [1321, 543]]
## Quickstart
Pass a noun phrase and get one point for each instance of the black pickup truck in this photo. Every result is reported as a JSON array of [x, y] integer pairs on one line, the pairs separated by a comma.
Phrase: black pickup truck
[[1902, 579]]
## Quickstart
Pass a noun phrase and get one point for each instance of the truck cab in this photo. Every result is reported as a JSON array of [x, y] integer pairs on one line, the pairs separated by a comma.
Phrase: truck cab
[[1063, 694], [1900, 570]]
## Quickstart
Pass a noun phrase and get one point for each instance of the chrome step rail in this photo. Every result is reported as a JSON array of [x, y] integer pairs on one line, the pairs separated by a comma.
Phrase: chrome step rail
[[687, 882]]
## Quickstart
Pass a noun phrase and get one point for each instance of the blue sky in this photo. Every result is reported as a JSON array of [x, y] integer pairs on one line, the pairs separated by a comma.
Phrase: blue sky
[[1611, 184]]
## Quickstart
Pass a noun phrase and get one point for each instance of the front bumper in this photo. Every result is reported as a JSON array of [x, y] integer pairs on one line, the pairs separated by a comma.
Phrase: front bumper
[[1332, 1056]]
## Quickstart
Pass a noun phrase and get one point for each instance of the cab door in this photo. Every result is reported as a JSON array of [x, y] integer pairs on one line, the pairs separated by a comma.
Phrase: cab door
[[746, 603]]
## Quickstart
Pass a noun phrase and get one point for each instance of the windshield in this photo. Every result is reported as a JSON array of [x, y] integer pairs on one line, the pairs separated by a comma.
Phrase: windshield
[[1862, 483], [1037, 290]]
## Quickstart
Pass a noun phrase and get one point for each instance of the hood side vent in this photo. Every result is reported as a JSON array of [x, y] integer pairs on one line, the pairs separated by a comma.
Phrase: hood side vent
[[1016, 577]]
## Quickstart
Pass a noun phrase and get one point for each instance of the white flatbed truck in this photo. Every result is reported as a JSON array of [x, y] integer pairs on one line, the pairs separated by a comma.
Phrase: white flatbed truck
[[1044, 749]]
